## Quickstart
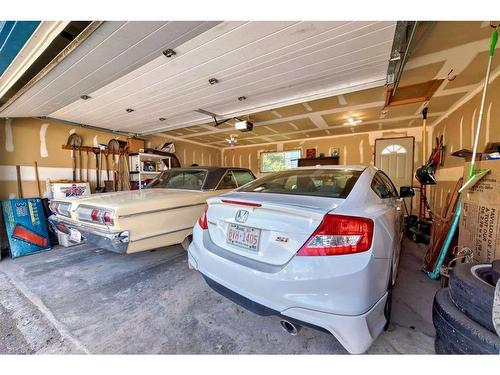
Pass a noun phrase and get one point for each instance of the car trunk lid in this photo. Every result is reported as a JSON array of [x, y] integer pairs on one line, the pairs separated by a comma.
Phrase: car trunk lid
[[138, 201], [282, 223]]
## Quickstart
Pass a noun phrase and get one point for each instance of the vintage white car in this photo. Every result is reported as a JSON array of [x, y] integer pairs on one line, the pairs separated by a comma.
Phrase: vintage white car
[[162, 214]]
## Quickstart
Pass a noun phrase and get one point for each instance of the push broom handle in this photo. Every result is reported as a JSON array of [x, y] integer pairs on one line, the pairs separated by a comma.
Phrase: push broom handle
[[424, 134], [493, 42]]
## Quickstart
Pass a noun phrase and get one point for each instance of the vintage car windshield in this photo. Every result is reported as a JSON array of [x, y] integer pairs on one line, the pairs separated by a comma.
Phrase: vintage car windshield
[[332, 183], [179, 179]]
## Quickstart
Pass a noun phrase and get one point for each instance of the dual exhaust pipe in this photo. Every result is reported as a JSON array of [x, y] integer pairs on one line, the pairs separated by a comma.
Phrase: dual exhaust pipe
[[290, 327]]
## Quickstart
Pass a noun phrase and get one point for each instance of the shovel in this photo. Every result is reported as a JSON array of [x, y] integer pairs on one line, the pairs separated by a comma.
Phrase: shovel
[[75, 141]]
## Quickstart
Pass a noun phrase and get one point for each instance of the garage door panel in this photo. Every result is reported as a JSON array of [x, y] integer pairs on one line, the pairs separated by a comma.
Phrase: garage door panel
[[340, 56], [183, 69], [146, 49], [254, 90]]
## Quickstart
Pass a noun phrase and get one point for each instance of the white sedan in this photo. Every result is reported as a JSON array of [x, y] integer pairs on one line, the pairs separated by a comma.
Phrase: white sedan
[[317, 246]]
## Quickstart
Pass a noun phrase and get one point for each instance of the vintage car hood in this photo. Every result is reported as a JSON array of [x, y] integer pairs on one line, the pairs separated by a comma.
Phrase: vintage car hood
[[136, 201]]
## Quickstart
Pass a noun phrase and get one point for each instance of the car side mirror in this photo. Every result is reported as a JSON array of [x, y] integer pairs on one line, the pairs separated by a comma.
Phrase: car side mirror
[[406, 192]]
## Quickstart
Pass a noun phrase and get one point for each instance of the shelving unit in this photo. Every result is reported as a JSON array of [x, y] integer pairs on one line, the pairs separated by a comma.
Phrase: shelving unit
[[137, 161]]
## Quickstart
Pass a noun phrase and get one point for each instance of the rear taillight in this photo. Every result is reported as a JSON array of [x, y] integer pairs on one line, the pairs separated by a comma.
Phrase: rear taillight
[[95, 215], [60, 208], [202, 221], [107, 218], [339, 235]]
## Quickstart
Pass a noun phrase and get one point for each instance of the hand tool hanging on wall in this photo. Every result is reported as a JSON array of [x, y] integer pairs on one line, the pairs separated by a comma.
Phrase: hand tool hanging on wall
[[107, 164], [80, 164], [109, 184], [19, 182], [425, 174], [114, 148], [96, 152], [88, 167], [126, 170], [74, 141], [99, 188], [473, 176], [37, 177]]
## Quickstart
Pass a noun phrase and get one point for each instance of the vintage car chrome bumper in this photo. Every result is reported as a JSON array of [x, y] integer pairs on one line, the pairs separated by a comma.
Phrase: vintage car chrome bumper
[[112, 241]]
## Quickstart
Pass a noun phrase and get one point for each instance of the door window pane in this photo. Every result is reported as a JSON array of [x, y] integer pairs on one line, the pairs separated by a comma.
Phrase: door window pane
[[394, 149]]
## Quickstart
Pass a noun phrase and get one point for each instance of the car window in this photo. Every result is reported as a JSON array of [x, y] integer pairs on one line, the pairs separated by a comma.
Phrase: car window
[[227, 182], [317, 182], [179, 179], [242, 177], [388, 183], [380, 187]]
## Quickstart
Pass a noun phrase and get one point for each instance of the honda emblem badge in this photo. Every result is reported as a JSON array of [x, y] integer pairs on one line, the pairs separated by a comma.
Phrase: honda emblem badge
[[241, 216]]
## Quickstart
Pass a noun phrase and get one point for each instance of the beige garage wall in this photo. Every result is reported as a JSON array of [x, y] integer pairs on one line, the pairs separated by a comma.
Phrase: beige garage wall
[[353, 148], [25, 140], [458, 128], [190, 153]]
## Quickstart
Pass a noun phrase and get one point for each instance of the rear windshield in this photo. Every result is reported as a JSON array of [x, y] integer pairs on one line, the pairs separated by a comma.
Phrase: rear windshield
[[179, 179], [331, 183]]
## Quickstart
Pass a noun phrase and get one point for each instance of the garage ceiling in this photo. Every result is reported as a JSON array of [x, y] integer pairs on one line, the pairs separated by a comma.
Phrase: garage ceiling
[[300, 79], [270, 63], [461, 63]]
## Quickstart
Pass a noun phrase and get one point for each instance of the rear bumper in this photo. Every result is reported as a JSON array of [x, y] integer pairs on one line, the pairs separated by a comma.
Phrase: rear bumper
[[334, 299], [113, 241]]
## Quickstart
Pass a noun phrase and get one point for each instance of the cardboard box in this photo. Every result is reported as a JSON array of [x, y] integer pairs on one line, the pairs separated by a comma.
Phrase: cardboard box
[[69, 189], [135, 145], [479, 227]]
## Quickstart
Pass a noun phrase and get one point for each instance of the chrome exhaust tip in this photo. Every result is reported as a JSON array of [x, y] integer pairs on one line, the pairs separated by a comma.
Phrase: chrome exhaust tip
[[289, 327]]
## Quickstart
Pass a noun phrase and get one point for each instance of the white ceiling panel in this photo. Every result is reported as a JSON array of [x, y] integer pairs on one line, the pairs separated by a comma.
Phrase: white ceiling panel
[[270, 63], [113, 50], [261, 72]]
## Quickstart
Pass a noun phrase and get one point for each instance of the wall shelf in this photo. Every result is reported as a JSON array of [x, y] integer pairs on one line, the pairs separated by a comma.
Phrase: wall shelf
[[136, 161]]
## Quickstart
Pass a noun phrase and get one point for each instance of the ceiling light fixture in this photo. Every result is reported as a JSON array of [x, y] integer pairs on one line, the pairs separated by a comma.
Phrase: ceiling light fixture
[[162, 119], [169, 52], [129, 110], [85, 97], [352, 121], [241, 98], [232, 140], [213, 81]]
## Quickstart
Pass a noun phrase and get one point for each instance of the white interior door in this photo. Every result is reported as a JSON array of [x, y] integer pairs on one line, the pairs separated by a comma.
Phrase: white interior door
[[395, 157]]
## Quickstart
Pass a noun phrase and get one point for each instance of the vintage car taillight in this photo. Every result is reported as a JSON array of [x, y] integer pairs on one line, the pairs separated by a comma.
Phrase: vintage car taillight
[[95, 215], [60, 208]]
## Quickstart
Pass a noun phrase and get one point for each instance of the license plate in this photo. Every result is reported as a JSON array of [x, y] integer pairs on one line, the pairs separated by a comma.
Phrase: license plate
[[75, 236], [245, 237]]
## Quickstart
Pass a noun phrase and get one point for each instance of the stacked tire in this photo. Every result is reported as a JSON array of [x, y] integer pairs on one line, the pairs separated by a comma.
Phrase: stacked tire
[[463, 313]]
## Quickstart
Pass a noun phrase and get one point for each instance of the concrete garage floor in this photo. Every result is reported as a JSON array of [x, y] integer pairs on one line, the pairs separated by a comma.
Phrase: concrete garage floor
[[87, 300]]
